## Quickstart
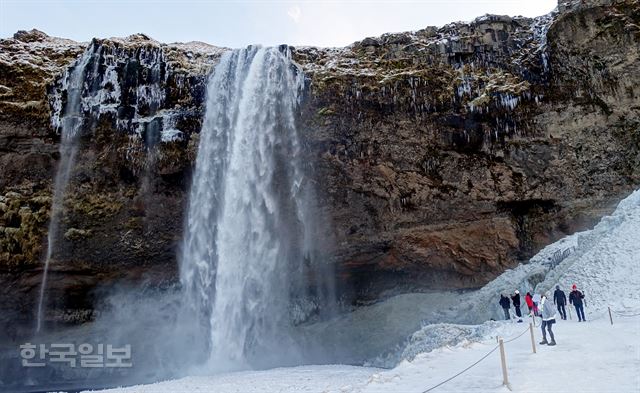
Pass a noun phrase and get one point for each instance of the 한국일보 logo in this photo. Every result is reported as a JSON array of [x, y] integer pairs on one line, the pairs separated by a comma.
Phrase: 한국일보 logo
[[81, 355]]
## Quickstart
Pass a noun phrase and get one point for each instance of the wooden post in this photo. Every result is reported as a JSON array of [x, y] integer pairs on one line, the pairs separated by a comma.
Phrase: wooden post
[[503, 360], [533, 339], [610, 317]]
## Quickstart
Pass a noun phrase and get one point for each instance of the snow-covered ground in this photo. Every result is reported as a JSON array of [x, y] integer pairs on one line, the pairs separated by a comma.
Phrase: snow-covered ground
[[284, 380], [590, 357]]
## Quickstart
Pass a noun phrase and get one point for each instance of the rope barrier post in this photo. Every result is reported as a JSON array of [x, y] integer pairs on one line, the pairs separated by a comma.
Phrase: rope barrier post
[[503, 360], [533, 339], [533, 318], [610, 317]]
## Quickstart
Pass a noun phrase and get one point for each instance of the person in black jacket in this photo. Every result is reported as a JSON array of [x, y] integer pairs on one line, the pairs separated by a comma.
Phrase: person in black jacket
[[506, 305], [560, 300], [575, 298], [516, 303]]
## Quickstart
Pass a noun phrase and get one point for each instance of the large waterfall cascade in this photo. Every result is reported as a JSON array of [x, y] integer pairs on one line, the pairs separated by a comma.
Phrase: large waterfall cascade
[[250, 228]]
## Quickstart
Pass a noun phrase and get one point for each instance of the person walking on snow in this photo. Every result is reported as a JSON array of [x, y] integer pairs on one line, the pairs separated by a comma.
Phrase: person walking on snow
[[560, 300], [575, 298], [536, 301], [529, 300], [548, 313], [516, 303], [506, 305]]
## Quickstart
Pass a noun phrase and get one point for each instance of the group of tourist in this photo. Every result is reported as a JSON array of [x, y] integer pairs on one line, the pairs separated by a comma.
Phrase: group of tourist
[[539, 306]]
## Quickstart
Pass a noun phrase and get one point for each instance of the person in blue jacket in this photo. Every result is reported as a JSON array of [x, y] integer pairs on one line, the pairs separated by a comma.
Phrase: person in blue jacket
[[560, 300]]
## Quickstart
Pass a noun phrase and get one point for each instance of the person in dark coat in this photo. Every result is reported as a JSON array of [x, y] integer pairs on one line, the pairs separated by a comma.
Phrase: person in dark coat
[[576, 298], [560, 300], [516, 303], [506, 305]]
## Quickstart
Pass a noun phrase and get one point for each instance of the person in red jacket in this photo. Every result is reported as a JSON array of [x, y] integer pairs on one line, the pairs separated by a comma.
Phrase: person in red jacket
[[529, 300]]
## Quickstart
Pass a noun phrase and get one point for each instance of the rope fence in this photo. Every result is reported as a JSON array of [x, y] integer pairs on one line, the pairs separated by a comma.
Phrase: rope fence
[[623, 314], [463, 371], [517, 337], [479, 360]]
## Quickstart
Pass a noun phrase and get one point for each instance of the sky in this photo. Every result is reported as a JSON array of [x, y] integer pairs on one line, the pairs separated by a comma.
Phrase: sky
[[239, 23]]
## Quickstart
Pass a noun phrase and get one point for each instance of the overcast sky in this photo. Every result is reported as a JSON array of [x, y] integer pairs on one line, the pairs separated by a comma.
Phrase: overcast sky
[[239, 23]]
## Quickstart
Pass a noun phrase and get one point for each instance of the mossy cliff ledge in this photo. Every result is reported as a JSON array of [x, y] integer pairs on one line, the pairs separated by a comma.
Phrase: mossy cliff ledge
[[441, 157]]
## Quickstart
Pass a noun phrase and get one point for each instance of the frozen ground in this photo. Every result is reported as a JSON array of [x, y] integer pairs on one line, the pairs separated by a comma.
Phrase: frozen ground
[[590, 357], [283, 380]]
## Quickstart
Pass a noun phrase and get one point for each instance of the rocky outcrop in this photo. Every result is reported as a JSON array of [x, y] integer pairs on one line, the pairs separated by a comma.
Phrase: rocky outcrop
[[442, 156], [447, 155], [122, 219]]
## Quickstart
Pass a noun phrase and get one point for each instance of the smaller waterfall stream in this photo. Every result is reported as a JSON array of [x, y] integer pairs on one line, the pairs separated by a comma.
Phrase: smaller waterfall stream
[[71, 123]]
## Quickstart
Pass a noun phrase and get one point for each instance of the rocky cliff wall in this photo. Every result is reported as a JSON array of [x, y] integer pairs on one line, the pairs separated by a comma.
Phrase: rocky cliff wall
[[449, 154], [442, 156]]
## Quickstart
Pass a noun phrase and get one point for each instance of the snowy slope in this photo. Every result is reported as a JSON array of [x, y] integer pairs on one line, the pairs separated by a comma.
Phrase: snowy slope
[[604, 262], [606, 266], [590, 357]]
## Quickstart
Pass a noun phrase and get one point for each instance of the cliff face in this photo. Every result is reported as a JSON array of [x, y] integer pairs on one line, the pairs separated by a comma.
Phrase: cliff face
[[442, 157], [122, 221], [448, 154]]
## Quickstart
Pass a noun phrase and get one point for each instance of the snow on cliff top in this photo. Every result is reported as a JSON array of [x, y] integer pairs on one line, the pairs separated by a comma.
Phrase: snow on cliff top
[[37, 50]]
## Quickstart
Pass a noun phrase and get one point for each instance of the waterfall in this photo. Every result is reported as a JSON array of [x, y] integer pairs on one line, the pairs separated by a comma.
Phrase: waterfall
[[70, 125], [250, 230]]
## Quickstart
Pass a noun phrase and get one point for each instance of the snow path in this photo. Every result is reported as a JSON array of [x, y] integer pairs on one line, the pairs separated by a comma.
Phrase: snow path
[[589, 357]]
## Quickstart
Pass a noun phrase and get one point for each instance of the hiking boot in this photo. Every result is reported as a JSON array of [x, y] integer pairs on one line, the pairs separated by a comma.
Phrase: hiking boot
[[553, 342], [544, 342]]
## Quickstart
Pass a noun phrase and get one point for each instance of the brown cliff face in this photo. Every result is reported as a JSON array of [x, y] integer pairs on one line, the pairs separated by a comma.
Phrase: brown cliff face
[[442, 157], [122, 217], [448, 155]]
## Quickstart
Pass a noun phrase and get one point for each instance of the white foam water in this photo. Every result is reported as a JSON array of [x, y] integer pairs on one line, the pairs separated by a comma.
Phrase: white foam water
[[250, 233]]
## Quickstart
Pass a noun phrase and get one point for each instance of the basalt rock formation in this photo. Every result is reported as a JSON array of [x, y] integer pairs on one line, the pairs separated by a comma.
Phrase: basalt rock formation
[[442, 157]]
